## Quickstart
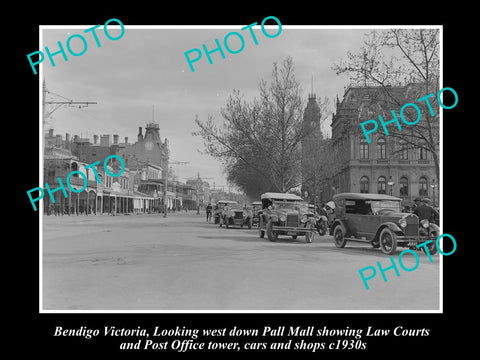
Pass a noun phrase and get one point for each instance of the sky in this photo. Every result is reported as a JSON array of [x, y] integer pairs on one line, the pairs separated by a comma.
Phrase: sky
[[144, 76]]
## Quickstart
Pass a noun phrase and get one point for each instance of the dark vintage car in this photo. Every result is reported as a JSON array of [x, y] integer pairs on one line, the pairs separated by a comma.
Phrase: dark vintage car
[[218, 209], [285, 214], [378, 220], [236, 215], [256, 210]]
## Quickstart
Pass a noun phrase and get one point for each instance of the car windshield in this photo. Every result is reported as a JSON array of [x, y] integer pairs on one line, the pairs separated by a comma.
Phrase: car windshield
[[293, 205], [235, 206], [392, 205]]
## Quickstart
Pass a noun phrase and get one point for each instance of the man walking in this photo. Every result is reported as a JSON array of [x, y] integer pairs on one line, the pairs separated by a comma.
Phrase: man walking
[[209, 212]]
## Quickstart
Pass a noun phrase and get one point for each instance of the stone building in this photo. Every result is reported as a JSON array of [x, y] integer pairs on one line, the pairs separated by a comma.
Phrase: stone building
[[311, 150], [387, 164]]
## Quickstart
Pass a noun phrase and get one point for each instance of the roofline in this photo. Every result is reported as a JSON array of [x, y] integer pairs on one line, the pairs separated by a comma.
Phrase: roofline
[[280, 196], [365, 196]]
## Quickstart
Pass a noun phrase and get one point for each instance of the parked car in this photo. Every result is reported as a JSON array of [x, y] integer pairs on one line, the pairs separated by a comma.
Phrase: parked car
[[218, 209], [285, 214], [256, 210], [378, 220], [236, 215]]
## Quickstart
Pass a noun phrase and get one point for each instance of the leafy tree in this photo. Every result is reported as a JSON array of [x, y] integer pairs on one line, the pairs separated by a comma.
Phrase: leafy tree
[[397, 57]]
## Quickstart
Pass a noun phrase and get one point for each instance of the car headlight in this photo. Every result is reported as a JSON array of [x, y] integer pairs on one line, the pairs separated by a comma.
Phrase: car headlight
[[425, 223], [283, 218], [403, 223], [304, 218]]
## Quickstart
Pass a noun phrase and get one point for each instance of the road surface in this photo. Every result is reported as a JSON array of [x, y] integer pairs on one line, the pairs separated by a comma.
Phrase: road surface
[[151, 263]]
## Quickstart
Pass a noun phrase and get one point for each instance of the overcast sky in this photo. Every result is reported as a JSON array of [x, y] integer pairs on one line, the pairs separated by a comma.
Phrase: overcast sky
[[147, 68]]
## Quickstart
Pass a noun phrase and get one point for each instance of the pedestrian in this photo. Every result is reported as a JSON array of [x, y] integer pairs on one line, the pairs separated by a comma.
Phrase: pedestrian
[[209, 212], [424, 211]]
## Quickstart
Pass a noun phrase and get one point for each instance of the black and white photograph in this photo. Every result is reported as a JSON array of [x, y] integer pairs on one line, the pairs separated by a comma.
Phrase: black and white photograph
[[245, 183], [257, 184]]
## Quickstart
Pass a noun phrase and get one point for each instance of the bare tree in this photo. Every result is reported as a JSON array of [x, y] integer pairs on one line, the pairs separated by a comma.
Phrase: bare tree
[[260, 138], [397, 57]]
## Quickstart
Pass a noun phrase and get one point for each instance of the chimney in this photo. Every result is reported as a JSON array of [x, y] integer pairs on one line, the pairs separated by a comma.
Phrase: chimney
[[126, 140], [95, 139], [115, 139], [105, 140], [67, 141], [140, 135], [50, 133]]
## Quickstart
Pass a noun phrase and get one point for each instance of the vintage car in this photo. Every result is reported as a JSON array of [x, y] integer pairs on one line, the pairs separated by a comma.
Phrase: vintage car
[[285, 214], [256, 210], [236, 215], [218, 209], [377, 219]]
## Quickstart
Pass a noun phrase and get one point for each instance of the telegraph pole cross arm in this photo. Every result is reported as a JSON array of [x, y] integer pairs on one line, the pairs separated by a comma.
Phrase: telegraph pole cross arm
[[64, 101]]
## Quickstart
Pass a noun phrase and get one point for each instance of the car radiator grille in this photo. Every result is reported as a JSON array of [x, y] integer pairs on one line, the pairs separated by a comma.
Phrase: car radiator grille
[[411, 230], [238, 215], [292, 220]]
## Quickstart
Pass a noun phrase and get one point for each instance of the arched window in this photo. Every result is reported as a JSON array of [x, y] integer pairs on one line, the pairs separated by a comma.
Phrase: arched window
[[364, 184], [423, 187], [381, 148], [403, 186], [364, 149], [382, 185]]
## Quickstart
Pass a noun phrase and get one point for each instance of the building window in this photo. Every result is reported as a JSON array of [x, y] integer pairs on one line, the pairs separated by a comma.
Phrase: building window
[[381, 148], [382, 185], [75, 168], [422, 154], [403, 186], [363, 149], [403, 150], [364, 184], [423, 187]]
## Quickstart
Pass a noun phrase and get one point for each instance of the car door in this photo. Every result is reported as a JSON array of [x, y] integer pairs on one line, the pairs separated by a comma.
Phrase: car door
[[362, 224]]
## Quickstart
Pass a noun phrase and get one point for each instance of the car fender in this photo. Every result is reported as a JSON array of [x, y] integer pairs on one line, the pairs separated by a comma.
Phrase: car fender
[[338, 222], [392, 226], [434, 228]]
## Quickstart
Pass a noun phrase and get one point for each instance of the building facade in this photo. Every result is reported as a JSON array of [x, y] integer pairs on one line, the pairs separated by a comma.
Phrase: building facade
[[388, 164], [139, 189]]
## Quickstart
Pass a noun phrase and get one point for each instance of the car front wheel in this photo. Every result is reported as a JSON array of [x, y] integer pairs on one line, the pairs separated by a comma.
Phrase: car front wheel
[[339, 237], [388, 241], [272, 235]]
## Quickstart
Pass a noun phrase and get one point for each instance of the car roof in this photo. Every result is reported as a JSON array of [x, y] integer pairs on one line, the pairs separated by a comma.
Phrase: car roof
[[280, 196], [364, 196], [226, 202]]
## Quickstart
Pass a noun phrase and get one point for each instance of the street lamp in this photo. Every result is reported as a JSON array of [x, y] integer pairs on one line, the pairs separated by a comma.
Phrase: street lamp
[[433, 185], [391, 183]]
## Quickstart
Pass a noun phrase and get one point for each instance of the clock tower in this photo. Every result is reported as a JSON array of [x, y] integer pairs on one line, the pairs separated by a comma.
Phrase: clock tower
[[311, 141]]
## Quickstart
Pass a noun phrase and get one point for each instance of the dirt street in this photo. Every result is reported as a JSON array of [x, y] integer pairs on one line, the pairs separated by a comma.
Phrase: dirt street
[[181, 262]]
